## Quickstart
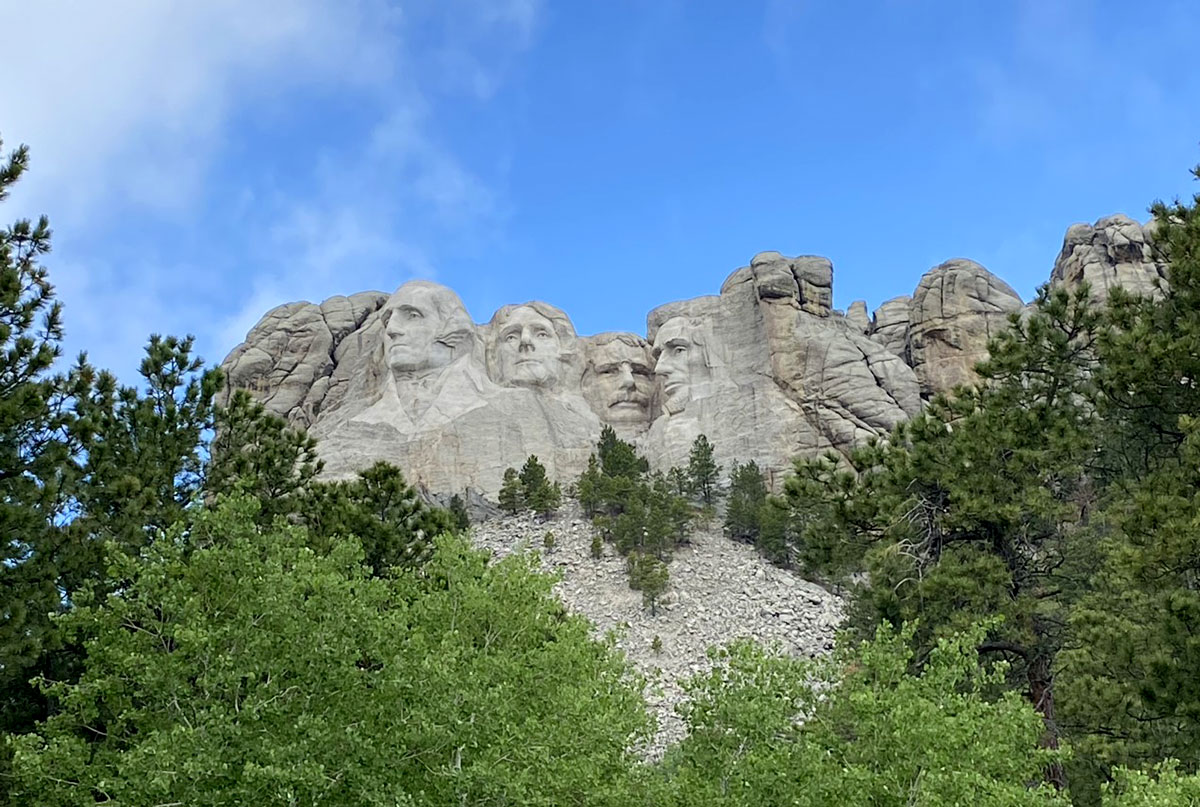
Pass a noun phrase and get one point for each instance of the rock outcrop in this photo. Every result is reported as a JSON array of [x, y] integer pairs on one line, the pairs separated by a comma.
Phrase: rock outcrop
[[766, 369], [1115, 251], [958, 306]]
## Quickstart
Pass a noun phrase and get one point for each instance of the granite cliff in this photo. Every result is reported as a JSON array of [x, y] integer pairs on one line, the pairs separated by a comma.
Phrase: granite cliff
[[767, 369]]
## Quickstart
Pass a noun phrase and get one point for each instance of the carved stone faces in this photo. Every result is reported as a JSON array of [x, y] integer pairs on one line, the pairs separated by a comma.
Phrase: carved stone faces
[[619, 380], [530, 346], [679, 362], [424, 325]]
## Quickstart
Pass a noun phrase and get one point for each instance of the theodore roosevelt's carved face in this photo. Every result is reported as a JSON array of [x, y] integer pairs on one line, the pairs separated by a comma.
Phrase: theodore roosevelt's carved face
[[679, 363], [620, 382], [528, 349]]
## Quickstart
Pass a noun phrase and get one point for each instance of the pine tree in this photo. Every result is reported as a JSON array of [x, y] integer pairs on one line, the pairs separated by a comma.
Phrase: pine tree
[[1131, 673], [36, 469], [703, 470], [512, 499], [743, 506], [679, 481], [545, 499], [533, 477], [458, 514], [979, 505], [619, 458], [144, 446], [654, 579], [379, 508], [587, 488], [257, 453]]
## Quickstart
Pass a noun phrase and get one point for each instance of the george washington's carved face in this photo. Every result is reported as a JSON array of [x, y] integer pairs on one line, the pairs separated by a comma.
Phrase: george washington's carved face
[[412, 325], [619, 382], [528, 349]]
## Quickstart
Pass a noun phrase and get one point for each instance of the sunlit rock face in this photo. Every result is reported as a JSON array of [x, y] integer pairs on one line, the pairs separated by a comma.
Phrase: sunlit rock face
[[764, 369], [619, 381], [1115, 251], [957, 308], [767, 369]]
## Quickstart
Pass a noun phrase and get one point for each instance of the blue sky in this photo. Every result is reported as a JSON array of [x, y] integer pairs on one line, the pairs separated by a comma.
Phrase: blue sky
[[202, 162]]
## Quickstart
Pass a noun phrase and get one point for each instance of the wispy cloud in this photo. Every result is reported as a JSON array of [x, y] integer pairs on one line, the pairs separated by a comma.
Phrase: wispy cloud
[[126, 101], [132, 107]]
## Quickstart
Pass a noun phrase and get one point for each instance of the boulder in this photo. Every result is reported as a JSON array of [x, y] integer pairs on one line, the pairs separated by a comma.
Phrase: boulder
[[956, 309], [1115, 251]]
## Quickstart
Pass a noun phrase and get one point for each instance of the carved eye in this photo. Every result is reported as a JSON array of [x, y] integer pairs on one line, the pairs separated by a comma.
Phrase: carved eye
[[543, 334], [510, 338], [415, 314], [678, 350]]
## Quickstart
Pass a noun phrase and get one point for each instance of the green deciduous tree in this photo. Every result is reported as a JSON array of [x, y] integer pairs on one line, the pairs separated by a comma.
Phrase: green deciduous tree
[[253, 670], [858, 728], [1164, 786]]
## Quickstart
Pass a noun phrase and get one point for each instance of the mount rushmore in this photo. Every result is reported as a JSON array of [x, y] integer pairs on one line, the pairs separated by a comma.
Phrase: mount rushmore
[[767, 368]]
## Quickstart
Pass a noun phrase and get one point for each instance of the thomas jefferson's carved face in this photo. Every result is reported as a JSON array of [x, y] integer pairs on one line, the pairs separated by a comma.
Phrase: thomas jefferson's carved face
[[679, 363], [528, 349], [411, 326], [619, 382]]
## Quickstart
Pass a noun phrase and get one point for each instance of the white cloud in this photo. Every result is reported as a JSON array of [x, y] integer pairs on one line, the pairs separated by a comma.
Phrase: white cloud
[[129, 107], [126, 100]]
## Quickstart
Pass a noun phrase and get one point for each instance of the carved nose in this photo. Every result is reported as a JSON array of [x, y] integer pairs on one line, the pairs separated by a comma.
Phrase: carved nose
[[526, 341], [626, 377]]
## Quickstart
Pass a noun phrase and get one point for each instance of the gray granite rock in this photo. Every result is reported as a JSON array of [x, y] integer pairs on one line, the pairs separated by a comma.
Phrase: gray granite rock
[[766, 369], [958, 306], [289, 357], [857, 316], [1115, 251], [889, 325], [719, 590]]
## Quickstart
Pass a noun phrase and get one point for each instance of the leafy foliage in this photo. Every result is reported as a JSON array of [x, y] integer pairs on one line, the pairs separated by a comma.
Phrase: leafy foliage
[[858, 728], [255, 671], [977, 507]]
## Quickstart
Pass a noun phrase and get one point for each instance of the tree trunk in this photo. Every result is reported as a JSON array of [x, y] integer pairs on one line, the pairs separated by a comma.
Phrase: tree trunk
[[1041, 692]]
